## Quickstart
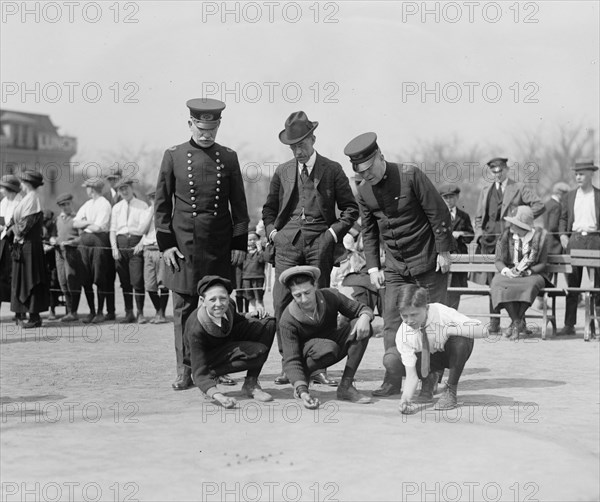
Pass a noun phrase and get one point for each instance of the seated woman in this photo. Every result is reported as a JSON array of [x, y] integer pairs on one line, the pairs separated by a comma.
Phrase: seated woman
[[431, 337], [221, 341], [521, 255]]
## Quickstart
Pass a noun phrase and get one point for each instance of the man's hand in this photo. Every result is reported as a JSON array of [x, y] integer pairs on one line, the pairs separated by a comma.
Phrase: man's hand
[[443, 262], [237, 257], [226, 402], [377, 278], [309, 402], [564, 241], [139, 248], [362, 328], [170, 256], [407, 408], [115, 254], [458, 233]]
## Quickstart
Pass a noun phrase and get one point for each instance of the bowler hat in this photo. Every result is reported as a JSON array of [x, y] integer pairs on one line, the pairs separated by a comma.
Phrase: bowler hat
[[583, 165], [523, 218], [361, 149], [64, 197], [286, 275], [449, 190], [210, 280], [206, 111], [11, 182], [33, 177], [297, 127]]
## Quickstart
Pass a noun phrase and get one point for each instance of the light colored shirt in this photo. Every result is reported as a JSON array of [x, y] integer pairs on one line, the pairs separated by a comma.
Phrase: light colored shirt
[[149, 238], [584, 215], [310, 164], [441, 323], [96, 211], [7, 208], [128, 217]]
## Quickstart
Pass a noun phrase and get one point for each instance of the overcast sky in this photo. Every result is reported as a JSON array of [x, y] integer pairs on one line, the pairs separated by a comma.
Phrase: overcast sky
[[500, 69]]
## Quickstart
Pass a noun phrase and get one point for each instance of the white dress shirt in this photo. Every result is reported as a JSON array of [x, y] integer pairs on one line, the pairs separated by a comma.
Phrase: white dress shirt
[[97, 212], [128, 217], [584, 214]]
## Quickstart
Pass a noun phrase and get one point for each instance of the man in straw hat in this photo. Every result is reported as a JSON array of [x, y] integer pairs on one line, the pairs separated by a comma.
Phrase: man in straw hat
[[300, 213], [312, 339], [579, 228]]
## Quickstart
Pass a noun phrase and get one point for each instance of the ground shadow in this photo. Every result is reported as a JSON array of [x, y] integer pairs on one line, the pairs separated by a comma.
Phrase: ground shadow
[[501, 383], [30, 399]]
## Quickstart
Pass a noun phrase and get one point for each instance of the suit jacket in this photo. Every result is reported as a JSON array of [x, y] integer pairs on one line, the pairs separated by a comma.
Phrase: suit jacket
[[515, 194], [332, 188], [201, 209], [410, 216], [551, 221], [567, 213], [462, 223]]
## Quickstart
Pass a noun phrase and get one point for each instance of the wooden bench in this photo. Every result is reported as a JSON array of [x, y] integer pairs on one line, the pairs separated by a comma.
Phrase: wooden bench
[[589, 258], [471, 262]]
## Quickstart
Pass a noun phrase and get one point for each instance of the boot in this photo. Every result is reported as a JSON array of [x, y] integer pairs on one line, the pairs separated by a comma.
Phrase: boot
[[252, 389], [448, 400], [390, 386], [347, 392], [427, 385], [184, 381]]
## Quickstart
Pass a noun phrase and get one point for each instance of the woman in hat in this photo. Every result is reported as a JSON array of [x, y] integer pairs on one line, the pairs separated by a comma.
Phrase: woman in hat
[[30, 292], [10, 188], [521, 255]]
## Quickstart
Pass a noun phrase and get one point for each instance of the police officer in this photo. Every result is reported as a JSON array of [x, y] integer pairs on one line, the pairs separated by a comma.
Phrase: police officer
[[399, 204], [201, 217]]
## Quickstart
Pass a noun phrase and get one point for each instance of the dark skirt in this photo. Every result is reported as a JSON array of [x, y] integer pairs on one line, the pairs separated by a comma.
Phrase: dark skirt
[[520, 289], [30, 290], [5, 269]]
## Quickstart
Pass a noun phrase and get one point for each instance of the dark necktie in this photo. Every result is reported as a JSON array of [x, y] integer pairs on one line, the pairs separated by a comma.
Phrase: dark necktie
[[425, 354], [304, 174], [499, 190]]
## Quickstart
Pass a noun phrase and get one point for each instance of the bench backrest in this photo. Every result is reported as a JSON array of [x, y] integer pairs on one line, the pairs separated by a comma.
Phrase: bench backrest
[[557, 263]]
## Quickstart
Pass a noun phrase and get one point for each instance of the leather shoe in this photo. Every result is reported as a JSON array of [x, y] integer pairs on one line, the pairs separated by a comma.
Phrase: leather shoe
[[349, 393], [183, 382], [321, 378], [387, 389], [129, 318], [253, 389], [110, 316], [282, 379], [567, 331], [31, 324], [98, 318], [88, 318]]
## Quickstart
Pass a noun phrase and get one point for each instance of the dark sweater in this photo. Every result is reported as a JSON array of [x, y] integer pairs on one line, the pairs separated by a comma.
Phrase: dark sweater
[[254, 266], [204, 337], [295, 333]]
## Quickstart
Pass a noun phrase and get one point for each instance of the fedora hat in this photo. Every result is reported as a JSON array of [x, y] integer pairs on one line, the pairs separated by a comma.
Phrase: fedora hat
[[523, 218], [586, 164], [297, 127]]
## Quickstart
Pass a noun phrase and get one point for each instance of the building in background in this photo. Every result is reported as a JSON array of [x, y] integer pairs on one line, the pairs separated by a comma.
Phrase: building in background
[[32, 141]]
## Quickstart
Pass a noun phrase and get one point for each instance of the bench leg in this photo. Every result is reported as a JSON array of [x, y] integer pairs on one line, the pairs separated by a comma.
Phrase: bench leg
[[544, 315], [587, 328]]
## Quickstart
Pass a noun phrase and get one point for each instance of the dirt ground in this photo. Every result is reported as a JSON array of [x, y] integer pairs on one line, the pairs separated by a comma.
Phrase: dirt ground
[[88, 413]]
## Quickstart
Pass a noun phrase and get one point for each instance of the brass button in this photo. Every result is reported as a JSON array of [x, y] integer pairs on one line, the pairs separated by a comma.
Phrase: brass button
[[217, 154], [191, 183], [193, 198], [194, 214], [218, 175], [215, 213], [218, 189], [189, 155], [190, 175], [218, 183], [189, 161], [192, 190], [189, 168], [193, 206], [216, 197], [216, 205]]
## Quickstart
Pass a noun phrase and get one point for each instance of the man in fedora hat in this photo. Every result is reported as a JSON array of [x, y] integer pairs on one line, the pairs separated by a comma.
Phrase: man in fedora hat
[[312, 338], [112, 194], [462, 233], [127, 227], [579, 228], [300, 212], [400, 206], [498, 199], [201, 217], [222, 341], [552, 216]]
